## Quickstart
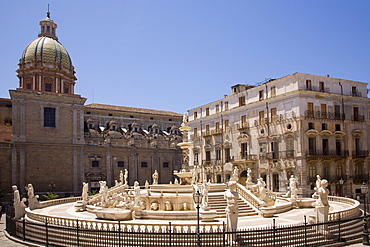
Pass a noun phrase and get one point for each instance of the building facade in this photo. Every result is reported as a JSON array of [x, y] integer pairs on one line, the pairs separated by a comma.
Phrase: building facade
[[50, 138], [302, 125]]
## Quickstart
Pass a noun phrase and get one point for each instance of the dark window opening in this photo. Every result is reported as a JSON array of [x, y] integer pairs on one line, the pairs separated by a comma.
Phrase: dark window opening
[[166, 165], [120, 164], [95, 163], [49, 117], [144, 164]]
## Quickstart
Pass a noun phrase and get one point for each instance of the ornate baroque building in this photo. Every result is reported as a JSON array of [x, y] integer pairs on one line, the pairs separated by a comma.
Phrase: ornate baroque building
[[300, 125], [49, 138]]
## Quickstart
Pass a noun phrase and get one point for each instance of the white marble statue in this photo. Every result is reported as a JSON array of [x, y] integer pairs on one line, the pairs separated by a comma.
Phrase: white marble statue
[[318, 185], [184, 120], [235, 175], [322, 206], [232, 210], [155, 177], [176, 181], [19, 205], [121, 177], [293, 187], [195, 173], [33, 202], [261, 185], [249, 176], [85, 193], [104, 192], [146, 185], [126, 177], [205, 189], [137, 193]]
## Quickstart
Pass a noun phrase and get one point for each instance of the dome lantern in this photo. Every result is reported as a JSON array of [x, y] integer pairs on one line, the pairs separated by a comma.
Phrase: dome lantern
[[48, 27]]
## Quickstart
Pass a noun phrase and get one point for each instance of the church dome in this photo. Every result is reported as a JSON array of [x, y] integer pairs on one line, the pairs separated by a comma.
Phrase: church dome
[[47, 49]]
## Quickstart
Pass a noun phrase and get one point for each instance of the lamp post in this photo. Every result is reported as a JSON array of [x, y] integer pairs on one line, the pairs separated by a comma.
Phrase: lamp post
[[341, 182], [365, 239], [197, 200]]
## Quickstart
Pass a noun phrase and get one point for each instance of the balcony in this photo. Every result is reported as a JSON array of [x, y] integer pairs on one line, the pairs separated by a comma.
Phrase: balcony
[[242, 126], [318, 89], [324, 115], [249, 157], [273, 155], [356, 93], [358, 118], [360, 153], [323, 153], [286, 154], [216, 132], [206, 133]]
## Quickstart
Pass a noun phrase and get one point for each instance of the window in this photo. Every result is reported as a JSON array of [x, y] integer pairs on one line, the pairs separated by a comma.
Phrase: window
[[28, 86], [337, 127], [166, 165], [49, 117], [95, 163], [217, 127], [244, 121], [273, 115], [308, 85], [244, 150], [354, 91], [91, 126], [325, 146], [261, 118], [322, 86], [357, 146], [207, 129], [66, 90], [312, 171], [310, 112], [337, 111], [207, 111], [324, 126], [241, 100], [311, 126], [273, 91], [48, 87], [312, 146], [338, 147], [227, 125], [289, 142], [263, 150], [120, 164], [355, 114], [339, 171], [323, 110], [170, 119], [218, 154], [144, 164], [208, 155], [217, 108], [326, 171], [195, 132], [226, 105], [227, 155], [195, 115], [261, 95]]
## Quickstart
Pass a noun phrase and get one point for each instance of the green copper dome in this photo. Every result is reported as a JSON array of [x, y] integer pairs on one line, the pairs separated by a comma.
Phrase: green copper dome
[[46, 49]]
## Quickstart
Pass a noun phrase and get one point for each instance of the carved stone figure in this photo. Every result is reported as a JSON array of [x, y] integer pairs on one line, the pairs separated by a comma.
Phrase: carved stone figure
[[261, 185], [19, 205], [293, 187], [318, 185], [85, 195], [137, 193], [126, 177], [184, 120], [195, 173], [104, 192], [205, 189], [33, 203], [121, 177], [322, 206], [155, 177], [168, 206], [249, 176], [154, 206], [232, 210], [146, 184], [235, 176]]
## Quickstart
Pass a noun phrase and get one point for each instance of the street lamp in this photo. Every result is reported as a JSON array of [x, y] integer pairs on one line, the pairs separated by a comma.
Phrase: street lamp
[[365, 239], [341, 182], [197, 200]]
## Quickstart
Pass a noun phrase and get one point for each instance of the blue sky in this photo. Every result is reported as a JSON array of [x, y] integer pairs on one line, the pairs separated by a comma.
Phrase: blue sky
[[177, 55]]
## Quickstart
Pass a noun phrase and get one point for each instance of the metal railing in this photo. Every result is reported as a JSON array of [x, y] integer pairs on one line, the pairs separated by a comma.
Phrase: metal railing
[[302, 234], [324, 115]]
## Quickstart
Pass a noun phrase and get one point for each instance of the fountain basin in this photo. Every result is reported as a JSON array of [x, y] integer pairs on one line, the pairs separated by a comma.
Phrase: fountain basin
[[113, 214]]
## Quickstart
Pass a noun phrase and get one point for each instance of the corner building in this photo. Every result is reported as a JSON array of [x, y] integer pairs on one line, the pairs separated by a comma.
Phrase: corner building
[[51, 139], [300, 125]]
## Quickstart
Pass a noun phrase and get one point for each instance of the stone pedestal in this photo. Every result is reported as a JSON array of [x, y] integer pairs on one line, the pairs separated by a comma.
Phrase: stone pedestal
[[208, 215], [322, 215]]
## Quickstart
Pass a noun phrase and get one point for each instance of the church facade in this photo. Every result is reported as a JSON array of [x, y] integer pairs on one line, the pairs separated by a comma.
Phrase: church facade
[[50, 138]]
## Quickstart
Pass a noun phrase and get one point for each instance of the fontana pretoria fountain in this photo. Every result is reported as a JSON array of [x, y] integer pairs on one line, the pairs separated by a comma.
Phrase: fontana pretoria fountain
[[188, 204]]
